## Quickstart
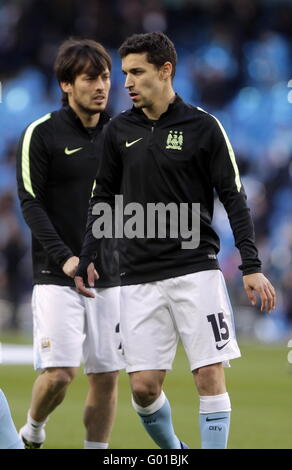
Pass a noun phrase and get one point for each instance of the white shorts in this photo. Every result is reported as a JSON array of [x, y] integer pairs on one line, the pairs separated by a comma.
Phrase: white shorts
[[66, 324], [194, 308]]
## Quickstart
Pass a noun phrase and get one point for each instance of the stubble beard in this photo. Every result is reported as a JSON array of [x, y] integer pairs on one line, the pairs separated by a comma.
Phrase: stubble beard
[[145, 104], [92, 111]]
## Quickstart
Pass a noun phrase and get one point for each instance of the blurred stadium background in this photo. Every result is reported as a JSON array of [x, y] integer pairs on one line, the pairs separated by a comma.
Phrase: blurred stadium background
[[235, 61]]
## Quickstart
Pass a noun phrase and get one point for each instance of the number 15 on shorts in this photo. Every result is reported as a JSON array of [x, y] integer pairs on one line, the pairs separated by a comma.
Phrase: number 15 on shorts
[[220, 328]]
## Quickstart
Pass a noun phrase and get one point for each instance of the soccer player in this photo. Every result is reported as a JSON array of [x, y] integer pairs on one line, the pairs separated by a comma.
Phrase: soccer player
[[170, 154], [9, 438], [57, 161]]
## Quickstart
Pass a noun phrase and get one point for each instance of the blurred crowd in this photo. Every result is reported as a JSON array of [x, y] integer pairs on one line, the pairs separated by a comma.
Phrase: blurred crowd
[[235, 61]]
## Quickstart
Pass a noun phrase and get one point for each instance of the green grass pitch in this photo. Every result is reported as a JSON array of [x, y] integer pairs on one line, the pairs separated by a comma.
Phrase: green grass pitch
[[259, 384]]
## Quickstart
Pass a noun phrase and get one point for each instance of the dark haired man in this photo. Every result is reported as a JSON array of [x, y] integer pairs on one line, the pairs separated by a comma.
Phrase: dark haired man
[[57, 162], [171, 154]]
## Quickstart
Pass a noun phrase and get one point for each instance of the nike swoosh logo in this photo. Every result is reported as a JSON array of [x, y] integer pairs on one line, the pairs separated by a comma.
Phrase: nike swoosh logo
[[128, 144], [221, 347], [69, 152], [215, 419]]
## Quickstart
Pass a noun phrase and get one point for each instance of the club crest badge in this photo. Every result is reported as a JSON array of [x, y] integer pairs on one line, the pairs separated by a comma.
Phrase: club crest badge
[[175, 140]]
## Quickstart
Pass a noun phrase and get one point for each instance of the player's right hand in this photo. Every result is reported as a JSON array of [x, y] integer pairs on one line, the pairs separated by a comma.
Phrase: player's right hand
[[85, 273], [70, 267]]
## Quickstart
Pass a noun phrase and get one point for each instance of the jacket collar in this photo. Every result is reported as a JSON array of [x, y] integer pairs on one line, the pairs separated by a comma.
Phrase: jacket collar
[[104, 117], [171, 108]]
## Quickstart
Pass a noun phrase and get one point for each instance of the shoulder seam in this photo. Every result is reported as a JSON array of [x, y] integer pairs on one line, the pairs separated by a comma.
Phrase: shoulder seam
[[202, 110]]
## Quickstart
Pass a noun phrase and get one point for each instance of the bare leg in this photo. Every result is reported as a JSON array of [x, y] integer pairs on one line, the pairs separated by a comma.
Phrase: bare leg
[[210, 380], [49, 391], [100, 406]]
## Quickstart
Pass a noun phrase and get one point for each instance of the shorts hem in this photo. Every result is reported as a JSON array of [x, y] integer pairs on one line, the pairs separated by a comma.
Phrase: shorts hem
[[54, 364], [139, 368], [214, 360], [104, 370]]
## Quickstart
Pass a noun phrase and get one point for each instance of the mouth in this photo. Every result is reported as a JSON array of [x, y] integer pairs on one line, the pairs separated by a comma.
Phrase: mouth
[[133, 95], [99, 99]]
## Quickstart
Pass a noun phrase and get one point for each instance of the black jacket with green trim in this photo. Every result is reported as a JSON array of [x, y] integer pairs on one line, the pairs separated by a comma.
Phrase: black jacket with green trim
[[57, 161], [180, 158]]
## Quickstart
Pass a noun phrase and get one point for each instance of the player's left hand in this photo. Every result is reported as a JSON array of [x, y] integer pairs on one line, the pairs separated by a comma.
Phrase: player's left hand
[[85, 272], [259, 283]]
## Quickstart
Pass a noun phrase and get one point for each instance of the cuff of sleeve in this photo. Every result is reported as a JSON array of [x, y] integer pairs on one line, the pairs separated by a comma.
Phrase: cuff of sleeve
[[246, 271], [63, 260], [84, 261]]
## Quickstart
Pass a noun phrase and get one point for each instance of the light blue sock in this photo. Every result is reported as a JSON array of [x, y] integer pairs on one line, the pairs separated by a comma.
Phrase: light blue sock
[[9, 438], [215, 430], [156, 419]]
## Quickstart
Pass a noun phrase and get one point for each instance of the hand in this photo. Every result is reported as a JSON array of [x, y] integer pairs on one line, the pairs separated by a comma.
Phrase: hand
[[91, 276], [70, 266], [259, 283]]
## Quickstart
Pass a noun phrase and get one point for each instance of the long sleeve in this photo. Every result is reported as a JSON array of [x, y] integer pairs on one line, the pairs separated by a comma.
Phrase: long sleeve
[[226, 180], [33, 157], [107, 185]]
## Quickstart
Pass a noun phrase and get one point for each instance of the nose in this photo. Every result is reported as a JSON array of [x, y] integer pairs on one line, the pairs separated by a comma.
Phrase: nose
[[129, 82], [99, 84]]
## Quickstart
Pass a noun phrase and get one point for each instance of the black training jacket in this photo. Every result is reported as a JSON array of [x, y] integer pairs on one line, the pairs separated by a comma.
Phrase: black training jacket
[[57, 161], [180, 158]]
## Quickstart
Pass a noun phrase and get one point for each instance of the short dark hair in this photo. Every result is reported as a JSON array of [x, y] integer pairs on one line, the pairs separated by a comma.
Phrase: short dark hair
[[76, 56], [158, 46]]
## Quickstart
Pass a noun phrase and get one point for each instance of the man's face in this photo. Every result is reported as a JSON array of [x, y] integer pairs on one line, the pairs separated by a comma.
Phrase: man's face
[[88, 93], [143, 80]]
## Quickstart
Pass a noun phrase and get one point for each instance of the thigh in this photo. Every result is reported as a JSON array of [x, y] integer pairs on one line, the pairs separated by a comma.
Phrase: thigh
[[102, 350], [149, 337], [204, 318], [58, 318]]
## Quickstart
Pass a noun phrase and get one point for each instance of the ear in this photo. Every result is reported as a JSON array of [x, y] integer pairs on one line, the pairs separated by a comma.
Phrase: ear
[[66, 87], [166, 71]]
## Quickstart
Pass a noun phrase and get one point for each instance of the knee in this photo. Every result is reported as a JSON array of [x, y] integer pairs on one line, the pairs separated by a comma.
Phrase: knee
[[105, 383], [58, 379], [210, 380], [145, 392]]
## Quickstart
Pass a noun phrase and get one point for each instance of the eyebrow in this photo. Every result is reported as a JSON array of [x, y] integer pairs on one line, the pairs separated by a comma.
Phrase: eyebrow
[[92, 74], [133, 69]]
